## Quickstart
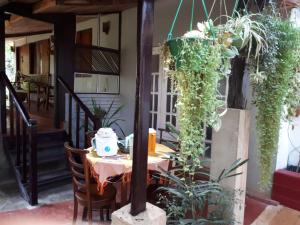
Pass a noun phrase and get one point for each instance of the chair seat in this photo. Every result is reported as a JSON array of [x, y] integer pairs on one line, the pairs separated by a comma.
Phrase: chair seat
[[98, 200]]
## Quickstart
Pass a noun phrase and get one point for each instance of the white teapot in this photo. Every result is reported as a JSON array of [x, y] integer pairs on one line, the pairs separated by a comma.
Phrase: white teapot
[[105, 142]]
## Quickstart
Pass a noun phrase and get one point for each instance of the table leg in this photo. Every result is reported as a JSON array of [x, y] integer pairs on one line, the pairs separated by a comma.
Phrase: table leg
[[124, 189]]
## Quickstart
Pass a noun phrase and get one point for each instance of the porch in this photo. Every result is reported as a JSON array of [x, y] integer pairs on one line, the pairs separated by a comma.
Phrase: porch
[[97, 57]]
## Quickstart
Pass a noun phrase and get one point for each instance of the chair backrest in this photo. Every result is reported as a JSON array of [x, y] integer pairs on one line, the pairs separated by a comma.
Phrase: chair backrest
[[89, 136], [79, 168]]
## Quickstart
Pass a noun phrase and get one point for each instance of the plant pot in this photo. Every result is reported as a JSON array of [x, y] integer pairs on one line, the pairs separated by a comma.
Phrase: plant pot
[[288, 4], [298, 111], [175, 47]]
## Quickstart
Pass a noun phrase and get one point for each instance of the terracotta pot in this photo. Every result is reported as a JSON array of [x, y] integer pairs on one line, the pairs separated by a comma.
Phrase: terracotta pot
[[175, 46], [290, 3], [298, 111]]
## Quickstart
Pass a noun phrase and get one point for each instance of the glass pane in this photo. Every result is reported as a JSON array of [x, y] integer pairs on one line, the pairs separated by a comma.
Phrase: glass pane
[[155, 102], [150, 120], [209, 133], [151, 103], [168, 103], [174, 104], [155, 121], [174, 120], [156, 83], [155, 63], [168, 118], [169, 83], [208, 150], [152, 83]]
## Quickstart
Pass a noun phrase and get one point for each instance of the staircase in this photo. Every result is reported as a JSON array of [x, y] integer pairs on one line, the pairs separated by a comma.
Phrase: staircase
[[51, 158], [52, 164], [38, 159]]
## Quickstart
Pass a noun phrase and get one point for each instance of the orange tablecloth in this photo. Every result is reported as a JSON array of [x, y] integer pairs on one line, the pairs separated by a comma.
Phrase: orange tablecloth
[[105, 167]]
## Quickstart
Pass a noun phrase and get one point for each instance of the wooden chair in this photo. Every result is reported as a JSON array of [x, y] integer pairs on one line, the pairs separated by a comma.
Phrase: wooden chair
[[85, 191]]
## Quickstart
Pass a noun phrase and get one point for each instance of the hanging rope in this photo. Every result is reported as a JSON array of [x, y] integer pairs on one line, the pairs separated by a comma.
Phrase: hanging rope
[[234, 8], [212, 7], [205, 9], [192, 15], [225, 7], [170, 35]]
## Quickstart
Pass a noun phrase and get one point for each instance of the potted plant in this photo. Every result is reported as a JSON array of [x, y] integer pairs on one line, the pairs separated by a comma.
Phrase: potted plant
[[276, 85], [197, 62]]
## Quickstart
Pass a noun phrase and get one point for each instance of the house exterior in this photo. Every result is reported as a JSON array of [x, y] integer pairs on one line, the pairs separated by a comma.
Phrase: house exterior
[[118, 31]]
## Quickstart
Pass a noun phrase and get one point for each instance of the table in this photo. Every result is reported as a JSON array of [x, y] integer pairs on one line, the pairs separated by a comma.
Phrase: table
[[104, 167]]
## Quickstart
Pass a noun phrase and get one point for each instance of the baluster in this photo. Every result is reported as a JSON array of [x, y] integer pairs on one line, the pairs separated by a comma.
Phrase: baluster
[[77, 124], [24, 151], [86, 128], [33, 163], [97, 123], [70, 118], [18, 137], [11, 118]]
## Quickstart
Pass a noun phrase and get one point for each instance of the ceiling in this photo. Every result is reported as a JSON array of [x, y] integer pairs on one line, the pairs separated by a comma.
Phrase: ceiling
[[21, 26]]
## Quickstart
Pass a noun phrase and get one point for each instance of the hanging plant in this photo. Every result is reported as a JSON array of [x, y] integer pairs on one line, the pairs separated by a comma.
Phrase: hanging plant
[[198, 62], [276, 84]]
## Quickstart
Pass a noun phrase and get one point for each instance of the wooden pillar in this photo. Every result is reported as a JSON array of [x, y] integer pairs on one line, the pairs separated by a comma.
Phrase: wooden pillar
[[64, 44], [238, 84], [142, 106], [2, 69]]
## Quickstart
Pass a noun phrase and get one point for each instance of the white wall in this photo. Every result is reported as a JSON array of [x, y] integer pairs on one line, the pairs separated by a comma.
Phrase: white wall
[[288, 141]]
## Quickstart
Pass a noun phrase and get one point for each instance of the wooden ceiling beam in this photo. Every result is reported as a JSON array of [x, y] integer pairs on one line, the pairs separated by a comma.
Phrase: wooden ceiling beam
[[25, 10], [27, 34], [82, 6]]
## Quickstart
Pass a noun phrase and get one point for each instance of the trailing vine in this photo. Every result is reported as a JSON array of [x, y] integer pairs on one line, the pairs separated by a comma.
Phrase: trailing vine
[[203, 63], [275, 83]]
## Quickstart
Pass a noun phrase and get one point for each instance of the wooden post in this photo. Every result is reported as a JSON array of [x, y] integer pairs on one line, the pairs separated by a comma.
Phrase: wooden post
[[2, 69], [142, 106], [64, 44], [238, 84]]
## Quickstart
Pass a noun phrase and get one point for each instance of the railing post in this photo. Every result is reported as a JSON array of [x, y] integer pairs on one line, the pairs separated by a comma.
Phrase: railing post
[[18, 139], [11, 118], [77, 125], [33, 192], [2, 69], [97, 123], [56, 104], [70, 119], [24, 152]]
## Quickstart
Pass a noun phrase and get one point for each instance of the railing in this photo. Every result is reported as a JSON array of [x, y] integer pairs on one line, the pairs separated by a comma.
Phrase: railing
[[79, 106], [23, 138], [93, 59]]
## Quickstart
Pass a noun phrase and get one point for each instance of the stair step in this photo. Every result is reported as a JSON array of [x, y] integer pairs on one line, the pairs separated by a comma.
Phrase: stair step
[[47, 178], [49, 145], [49, 137]]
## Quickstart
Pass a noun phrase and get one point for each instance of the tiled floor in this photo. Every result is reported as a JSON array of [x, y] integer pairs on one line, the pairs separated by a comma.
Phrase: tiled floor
[[253, 209], [278, 215], [52, 214]]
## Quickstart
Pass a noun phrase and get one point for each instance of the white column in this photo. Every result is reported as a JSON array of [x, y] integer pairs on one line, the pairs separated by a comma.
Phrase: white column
[[229, 144], [152, 215]]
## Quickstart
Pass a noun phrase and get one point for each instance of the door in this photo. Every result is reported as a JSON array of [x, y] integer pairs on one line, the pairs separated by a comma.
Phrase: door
[[163, 95]]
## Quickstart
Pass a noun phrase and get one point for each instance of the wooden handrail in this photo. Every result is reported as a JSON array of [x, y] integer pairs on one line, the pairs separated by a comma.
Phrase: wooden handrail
[[77, 99], [116, 51], [23, 137], [18, 103], [79, 105]]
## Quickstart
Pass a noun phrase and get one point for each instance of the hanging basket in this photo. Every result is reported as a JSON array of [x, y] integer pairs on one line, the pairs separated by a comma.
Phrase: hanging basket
[[288, 4], [298, 111], [175, 46]]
